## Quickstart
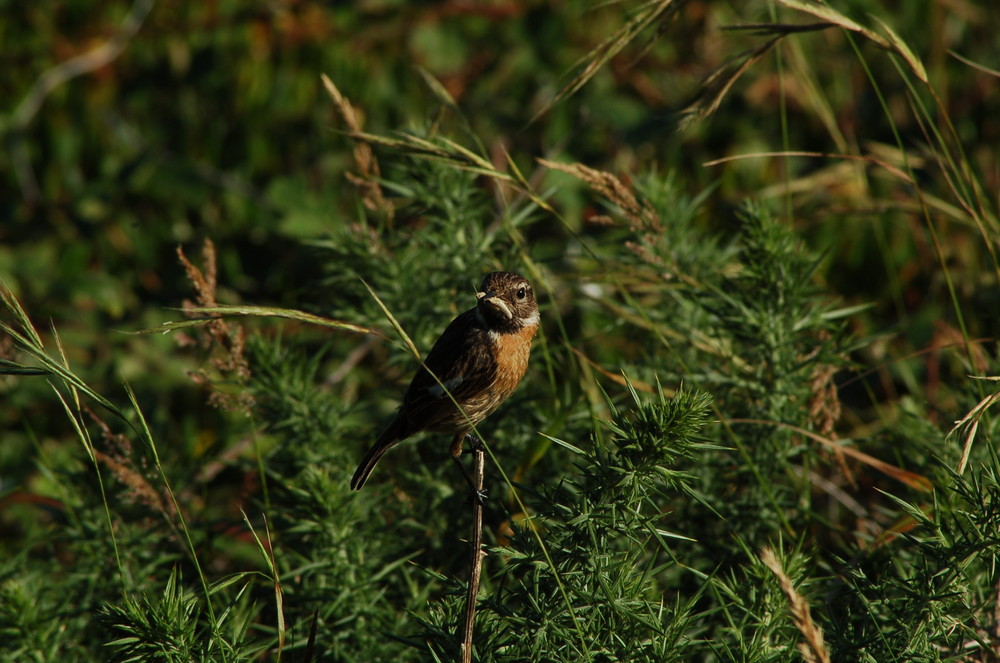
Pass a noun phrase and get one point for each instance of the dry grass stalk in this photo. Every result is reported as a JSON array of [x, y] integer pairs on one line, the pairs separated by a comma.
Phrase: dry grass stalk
[[825, 408], [118, 459], [642, 218], [824, 404], [639, 215], [231, 362], [368, 171], [814, 648], [648, 14], [911, 479], [970, 424], [715, 88]]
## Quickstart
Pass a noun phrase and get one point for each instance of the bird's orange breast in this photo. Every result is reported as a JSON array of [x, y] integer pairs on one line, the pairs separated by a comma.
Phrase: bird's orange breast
[[512, 352]]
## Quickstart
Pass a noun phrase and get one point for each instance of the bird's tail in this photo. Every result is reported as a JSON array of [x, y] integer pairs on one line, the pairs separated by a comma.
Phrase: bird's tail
[[387, 440]]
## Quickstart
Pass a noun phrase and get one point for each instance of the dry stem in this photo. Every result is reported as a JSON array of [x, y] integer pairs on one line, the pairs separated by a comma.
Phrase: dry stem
[[479, 455]]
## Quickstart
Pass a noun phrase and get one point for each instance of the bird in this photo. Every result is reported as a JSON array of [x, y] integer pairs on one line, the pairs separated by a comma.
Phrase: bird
[[476, 363]]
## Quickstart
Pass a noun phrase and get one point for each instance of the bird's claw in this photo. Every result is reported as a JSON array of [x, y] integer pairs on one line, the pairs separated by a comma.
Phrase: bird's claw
[[475, 443]]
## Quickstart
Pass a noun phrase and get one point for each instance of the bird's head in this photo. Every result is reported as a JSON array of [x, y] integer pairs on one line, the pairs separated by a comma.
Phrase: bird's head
[[507, 302]]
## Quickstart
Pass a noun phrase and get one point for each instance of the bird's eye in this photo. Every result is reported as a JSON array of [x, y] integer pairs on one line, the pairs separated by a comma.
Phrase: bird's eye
[[521, 292]]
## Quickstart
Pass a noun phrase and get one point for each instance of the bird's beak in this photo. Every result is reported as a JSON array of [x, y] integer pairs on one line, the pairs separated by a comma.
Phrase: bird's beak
[[495, 302]]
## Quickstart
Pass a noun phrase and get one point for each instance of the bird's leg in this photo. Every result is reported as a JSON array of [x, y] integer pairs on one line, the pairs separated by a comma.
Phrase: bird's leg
[[456, 453]]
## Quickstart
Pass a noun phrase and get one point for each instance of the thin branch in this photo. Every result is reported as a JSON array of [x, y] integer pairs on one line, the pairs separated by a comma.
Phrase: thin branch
[[477, 554]]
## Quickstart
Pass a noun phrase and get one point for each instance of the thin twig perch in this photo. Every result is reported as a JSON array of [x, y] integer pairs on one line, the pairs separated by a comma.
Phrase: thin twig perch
[[479, 456]]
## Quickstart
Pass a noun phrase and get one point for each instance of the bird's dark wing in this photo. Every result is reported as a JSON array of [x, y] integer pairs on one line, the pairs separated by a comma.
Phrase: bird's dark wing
[[460, 359]]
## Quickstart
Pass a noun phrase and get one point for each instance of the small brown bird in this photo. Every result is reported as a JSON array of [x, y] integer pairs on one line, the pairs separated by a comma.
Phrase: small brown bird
[[479, 359]]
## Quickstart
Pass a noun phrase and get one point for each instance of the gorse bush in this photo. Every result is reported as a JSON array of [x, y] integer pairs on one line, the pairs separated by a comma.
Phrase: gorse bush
[[758, 421]]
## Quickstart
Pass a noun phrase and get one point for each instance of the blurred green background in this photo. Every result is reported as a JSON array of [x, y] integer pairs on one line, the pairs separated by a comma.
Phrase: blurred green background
[[211, 122]]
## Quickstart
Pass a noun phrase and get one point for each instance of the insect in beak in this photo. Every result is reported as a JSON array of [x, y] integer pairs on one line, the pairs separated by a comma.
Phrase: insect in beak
[[495, 302]]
